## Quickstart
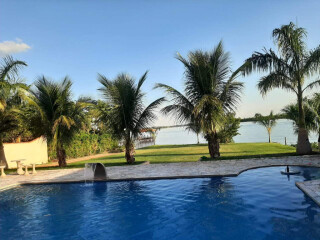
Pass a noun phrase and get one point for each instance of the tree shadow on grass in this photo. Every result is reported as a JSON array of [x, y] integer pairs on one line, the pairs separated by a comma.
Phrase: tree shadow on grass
[[150, 155], [173, 146], [250, 156]]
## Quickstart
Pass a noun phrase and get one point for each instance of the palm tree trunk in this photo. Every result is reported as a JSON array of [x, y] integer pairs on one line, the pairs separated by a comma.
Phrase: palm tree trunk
[[129, 152], [61, 155], [213, 145], [269, 133], [2, 154], [198, 142], [303, 145]]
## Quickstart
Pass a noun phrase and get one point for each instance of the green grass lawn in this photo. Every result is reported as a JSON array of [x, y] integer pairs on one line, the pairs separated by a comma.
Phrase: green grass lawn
[[192, 153]]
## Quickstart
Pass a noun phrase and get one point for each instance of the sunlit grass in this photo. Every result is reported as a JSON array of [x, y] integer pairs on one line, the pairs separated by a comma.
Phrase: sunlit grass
[[192, 153]]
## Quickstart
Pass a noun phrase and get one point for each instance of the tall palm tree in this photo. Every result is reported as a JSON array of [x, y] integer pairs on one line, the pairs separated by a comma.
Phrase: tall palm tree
[[288, 71], [127, 115], [266, 121], [59, 118], [211, 91], [10, 84]]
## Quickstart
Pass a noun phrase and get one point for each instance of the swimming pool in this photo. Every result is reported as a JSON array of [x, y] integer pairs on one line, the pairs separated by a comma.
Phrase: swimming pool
[[258, 204]]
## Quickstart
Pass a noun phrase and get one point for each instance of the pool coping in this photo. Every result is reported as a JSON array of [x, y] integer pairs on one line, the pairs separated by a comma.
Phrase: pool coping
[[311, 189]]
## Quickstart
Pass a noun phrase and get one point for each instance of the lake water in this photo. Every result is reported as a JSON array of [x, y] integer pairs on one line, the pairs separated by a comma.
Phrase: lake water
[[249, 132]]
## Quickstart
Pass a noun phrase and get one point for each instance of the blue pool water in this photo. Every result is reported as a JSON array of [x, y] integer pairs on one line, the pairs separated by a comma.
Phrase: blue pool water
[[258, 204]]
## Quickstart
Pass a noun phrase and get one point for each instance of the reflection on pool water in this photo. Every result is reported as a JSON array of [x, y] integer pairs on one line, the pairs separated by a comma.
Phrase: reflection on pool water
[[258, 204]]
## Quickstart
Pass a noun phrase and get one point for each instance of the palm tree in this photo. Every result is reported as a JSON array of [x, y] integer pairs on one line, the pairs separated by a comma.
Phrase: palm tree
[[211, 91], [10, 84], [59, 118], [291, 112], [195, 128], [312, 107], [127, 115], [181, 108], [288, 71], [266, 121]]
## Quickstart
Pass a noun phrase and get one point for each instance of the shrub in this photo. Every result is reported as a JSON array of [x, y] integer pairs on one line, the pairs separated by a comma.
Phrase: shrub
[[86, 144]]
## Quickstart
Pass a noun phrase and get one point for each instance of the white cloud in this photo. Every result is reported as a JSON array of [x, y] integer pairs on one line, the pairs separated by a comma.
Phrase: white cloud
[[10, 47]]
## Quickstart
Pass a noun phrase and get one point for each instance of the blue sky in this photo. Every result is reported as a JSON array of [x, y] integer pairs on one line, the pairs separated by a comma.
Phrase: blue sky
[[82, 38]]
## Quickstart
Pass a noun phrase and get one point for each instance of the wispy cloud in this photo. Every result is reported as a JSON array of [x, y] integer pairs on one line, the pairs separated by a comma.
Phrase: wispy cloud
[[10, 47]]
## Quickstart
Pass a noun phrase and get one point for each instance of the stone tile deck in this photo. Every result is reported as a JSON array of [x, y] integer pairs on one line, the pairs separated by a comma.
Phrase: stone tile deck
[[161, 171]]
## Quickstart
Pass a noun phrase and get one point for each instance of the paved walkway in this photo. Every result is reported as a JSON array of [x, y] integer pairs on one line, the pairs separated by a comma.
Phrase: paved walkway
[[160, 171], [311, 188]]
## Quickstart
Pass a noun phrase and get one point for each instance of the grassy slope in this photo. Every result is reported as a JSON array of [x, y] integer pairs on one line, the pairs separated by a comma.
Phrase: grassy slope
[[191, 153]]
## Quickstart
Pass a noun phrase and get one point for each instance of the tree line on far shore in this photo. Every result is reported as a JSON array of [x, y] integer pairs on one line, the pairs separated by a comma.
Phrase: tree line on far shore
[[207, 104]]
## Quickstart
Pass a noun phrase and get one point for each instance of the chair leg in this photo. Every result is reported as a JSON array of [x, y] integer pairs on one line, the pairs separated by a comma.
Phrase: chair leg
[[3, 174], [34, 169], [26, 170], [19, 168]]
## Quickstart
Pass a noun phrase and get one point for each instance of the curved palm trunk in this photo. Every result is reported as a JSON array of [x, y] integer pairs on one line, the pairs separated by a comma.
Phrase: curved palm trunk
[[303, 145], [2, 155], [213, 145], [129, 152], [61, 155]]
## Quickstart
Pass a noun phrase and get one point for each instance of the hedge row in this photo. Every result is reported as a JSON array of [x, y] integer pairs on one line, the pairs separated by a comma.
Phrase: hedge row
[[86, 144]]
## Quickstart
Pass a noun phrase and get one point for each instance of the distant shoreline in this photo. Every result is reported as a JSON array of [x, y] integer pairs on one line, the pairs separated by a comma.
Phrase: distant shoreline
[[251, 119]]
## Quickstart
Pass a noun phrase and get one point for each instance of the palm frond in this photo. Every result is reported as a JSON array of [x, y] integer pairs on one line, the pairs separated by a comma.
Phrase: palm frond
[[310, 86], [275, 80], [9, 68], [266, 61], [147, 116], [290, 41], [141, 81], [312, 62], [231, 93]]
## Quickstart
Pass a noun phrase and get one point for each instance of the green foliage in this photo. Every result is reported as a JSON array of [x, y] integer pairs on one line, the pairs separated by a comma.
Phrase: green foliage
[[290, 68], [211, 93], [86, 144], [268, 121], [229, 128], [58, 117], [11, 89], [253, 119], [291, 112], [210, 87], [315, 146], [127, 115]]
